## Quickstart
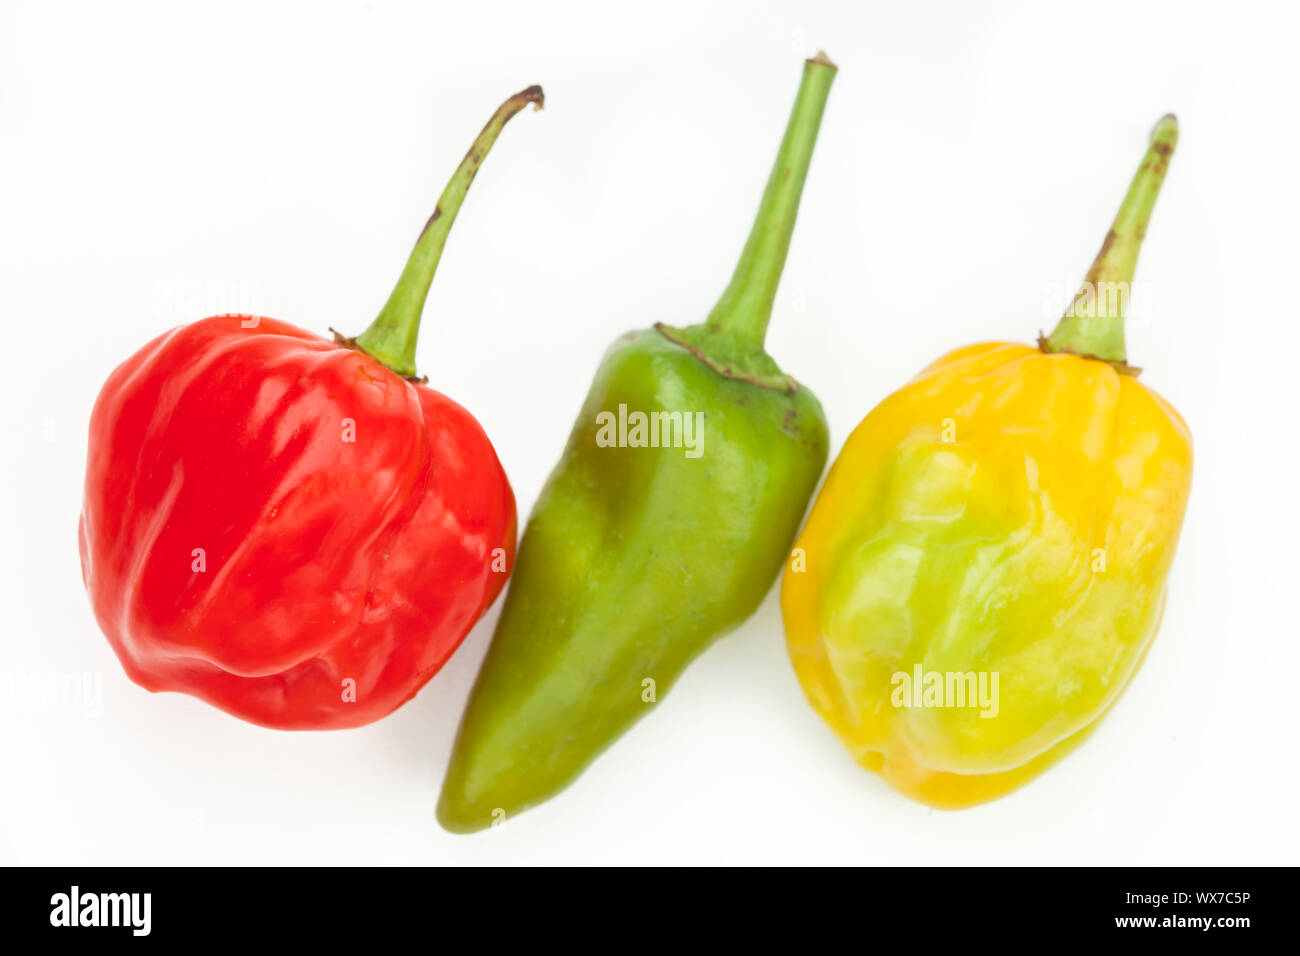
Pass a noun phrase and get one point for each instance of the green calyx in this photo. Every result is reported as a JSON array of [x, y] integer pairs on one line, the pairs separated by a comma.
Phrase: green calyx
[[1093, 326], [731, 339], [391, 336]]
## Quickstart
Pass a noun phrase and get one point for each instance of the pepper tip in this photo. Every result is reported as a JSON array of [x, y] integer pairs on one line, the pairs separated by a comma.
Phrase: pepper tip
[[455, 816]]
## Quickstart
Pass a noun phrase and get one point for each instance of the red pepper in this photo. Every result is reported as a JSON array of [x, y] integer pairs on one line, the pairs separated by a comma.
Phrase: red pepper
[[294, 529]]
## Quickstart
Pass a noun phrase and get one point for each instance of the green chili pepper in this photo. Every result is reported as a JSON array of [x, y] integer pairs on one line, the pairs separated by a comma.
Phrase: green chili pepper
[[662, 527]]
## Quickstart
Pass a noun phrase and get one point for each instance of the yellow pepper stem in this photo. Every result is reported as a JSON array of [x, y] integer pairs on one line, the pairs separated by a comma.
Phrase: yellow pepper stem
[[1093, 326]]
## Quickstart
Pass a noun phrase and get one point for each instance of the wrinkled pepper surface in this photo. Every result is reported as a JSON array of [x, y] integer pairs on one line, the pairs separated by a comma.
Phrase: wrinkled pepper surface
[[1007, 522], [637, 557], [292, 529]]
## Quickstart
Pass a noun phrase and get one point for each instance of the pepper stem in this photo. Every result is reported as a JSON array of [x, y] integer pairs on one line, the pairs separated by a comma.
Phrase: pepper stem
[[391, 336], [1093, 326], [746, 306], [731, 339]]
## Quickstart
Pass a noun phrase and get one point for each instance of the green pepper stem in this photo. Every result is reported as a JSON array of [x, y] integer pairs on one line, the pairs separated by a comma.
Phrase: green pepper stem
[[391, 337], [1094, 324], [745, 308]]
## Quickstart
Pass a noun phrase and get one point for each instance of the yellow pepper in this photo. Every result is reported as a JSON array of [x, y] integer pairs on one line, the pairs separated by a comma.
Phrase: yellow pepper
[[985, 567]]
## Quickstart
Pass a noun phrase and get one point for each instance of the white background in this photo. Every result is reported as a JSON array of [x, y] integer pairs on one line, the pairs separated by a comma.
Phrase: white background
[[158, 164]]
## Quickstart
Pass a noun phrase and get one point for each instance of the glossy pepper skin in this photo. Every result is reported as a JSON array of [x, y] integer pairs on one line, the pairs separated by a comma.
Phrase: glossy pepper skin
[[292, 529], [636, 558], [1012, 510]]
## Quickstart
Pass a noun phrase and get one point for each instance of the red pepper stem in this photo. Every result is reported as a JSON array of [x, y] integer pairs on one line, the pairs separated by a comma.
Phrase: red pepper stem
[[391, 337], [1093, 326]]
